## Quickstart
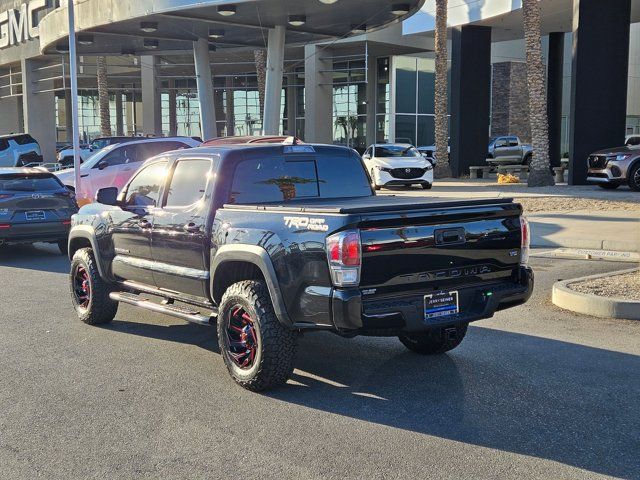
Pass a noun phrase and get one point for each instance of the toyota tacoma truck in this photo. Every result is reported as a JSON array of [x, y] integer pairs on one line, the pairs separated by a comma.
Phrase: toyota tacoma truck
[[270, 241]]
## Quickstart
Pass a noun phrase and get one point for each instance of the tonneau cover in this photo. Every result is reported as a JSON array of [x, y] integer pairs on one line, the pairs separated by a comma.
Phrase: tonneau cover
[[378, 203]]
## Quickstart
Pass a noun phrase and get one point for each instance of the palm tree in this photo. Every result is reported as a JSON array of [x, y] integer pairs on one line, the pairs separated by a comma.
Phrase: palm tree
[[443, 169], [343, 122], [260, 57], [103, 97], [540, 166]]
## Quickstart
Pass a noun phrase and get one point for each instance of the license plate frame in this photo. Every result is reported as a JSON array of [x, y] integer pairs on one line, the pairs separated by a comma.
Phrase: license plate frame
[[34, 215], [443, 303]]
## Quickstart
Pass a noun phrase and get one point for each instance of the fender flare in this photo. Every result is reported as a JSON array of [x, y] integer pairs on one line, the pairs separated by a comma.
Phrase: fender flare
[[86, 232], [259, 257]]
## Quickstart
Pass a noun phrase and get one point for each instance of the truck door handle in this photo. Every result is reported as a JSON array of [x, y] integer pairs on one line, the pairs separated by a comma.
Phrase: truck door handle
[[144, 223], [192, 227], [451, 236]]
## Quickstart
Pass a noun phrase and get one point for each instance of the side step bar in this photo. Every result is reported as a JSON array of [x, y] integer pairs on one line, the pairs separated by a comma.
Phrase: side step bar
[[183, 313]]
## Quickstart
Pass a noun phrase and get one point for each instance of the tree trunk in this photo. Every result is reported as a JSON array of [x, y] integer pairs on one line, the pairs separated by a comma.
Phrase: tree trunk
[[260, 57], [103, 97], [540, 166], [443, 169]]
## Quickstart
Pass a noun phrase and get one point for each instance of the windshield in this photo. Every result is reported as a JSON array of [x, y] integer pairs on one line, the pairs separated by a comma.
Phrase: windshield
[[29, 183], [99, 143], [389, 151]]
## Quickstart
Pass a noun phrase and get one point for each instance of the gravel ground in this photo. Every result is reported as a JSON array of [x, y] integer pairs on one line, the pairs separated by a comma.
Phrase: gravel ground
[[625, 286], [572, 204]]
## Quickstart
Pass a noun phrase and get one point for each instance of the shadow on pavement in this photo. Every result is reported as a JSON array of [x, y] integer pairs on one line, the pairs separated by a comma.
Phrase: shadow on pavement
[[41, 256], [532, 396]]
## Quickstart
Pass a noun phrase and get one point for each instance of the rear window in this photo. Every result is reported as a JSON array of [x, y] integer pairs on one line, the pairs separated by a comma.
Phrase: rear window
[[29, 183], [280, 178], [24, 139]]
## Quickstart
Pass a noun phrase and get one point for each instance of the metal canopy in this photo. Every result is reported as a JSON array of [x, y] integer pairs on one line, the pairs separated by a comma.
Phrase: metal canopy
[[114, 27]]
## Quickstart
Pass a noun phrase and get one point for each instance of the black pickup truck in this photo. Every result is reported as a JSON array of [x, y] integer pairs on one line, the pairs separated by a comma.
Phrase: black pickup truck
[[269, 241]]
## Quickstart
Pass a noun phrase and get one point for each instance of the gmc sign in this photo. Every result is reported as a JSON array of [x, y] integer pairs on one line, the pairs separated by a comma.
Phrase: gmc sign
[[18, 26]]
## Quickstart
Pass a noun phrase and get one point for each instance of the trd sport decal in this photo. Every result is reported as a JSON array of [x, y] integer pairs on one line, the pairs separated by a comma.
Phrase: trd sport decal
[[306, 223]]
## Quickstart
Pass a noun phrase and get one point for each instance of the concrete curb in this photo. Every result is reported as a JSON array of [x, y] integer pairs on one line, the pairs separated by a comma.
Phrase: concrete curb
[[615, 245], [594, 305]]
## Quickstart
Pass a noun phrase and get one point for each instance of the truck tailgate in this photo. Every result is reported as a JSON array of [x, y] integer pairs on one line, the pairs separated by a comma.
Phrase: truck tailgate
[[440, 248]]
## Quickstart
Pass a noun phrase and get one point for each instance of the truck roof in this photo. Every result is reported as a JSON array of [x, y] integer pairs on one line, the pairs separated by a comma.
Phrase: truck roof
[[275, 147]]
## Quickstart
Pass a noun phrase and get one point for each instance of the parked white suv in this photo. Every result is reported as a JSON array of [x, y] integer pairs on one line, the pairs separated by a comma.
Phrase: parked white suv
[[397, 164], [19, 150], [114, 165]]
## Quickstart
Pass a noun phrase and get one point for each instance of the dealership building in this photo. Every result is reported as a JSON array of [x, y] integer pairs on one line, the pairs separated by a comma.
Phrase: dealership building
[[338, 71]]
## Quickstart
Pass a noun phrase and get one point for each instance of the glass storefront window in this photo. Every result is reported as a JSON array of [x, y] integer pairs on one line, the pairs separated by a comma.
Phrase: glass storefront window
[[405, 84], [415, 80]]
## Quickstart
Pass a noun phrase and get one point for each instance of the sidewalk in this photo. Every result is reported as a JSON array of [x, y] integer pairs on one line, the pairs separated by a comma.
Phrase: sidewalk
[[584, 217]]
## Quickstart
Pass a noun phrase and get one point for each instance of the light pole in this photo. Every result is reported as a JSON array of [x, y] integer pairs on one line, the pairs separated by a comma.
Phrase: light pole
[[73, 73]]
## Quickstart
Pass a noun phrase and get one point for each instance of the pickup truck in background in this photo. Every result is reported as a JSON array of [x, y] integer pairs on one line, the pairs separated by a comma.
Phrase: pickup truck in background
[[269, 241], [508, 150]]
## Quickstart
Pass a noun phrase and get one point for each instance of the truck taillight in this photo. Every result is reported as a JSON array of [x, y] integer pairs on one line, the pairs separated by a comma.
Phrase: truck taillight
[[345, 258], [525, 242]]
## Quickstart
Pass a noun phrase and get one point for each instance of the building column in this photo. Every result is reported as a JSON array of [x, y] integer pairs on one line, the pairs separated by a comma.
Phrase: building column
[[371, 87], [273, 83], [230, 114], [151, 106], [291, 106], [599, 80], [10, 118], [555, 76], [470, 97], [318, 95], [173, 109], [204, 82], [39, 108], [119, 113]]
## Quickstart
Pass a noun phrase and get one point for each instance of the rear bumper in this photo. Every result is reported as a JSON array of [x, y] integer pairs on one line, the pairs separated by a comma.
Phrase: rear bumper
[[34, 232], [405, 313]]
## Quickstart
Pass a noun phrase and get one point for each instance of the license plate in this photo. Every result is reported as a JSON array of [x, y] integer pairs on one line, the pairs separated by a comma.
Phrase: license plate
[[440, 304], [34, 215]]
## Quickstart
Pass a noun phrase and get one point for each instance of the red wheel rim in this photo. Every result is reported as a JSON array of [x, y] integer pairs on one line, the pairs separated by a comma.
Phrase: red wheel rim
[[82, 287], [242, 338]]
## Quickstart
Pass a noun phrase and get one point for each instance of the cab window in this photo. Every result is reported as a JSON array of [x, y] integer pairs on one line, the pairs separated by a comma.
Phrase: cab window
[[144, 188], [188, 182]]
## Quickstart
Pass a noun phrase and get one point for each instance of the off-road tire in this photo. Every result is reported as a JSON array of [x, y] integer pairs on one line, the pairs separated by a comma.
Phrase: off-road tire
[[277, 345], [434, 342], [427, 186], [527, 159], [63, 246], [634, 181], [101, 309]]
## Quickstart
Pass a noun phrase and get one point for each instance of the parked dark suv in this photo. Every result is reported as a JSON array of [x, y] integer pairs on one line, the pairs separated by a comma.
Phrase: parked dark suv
[[34, 207], [614, 167]]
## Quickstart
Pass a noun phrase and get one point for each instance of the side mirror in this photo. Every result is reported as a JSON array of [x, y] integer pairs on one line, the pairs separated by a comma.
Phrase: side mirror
[[366, 157], [107, 196], [102, 165]]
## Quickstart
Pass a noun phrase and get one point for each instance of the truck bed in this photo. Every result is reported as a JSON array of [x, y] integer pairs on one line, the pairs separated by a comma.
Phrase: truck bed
[[363, 205]]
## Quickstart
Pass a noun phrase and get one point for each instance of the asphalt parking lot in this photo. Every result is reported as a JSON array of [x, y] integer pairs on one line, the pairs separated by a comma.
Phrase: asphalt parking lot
[[535, 392]]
